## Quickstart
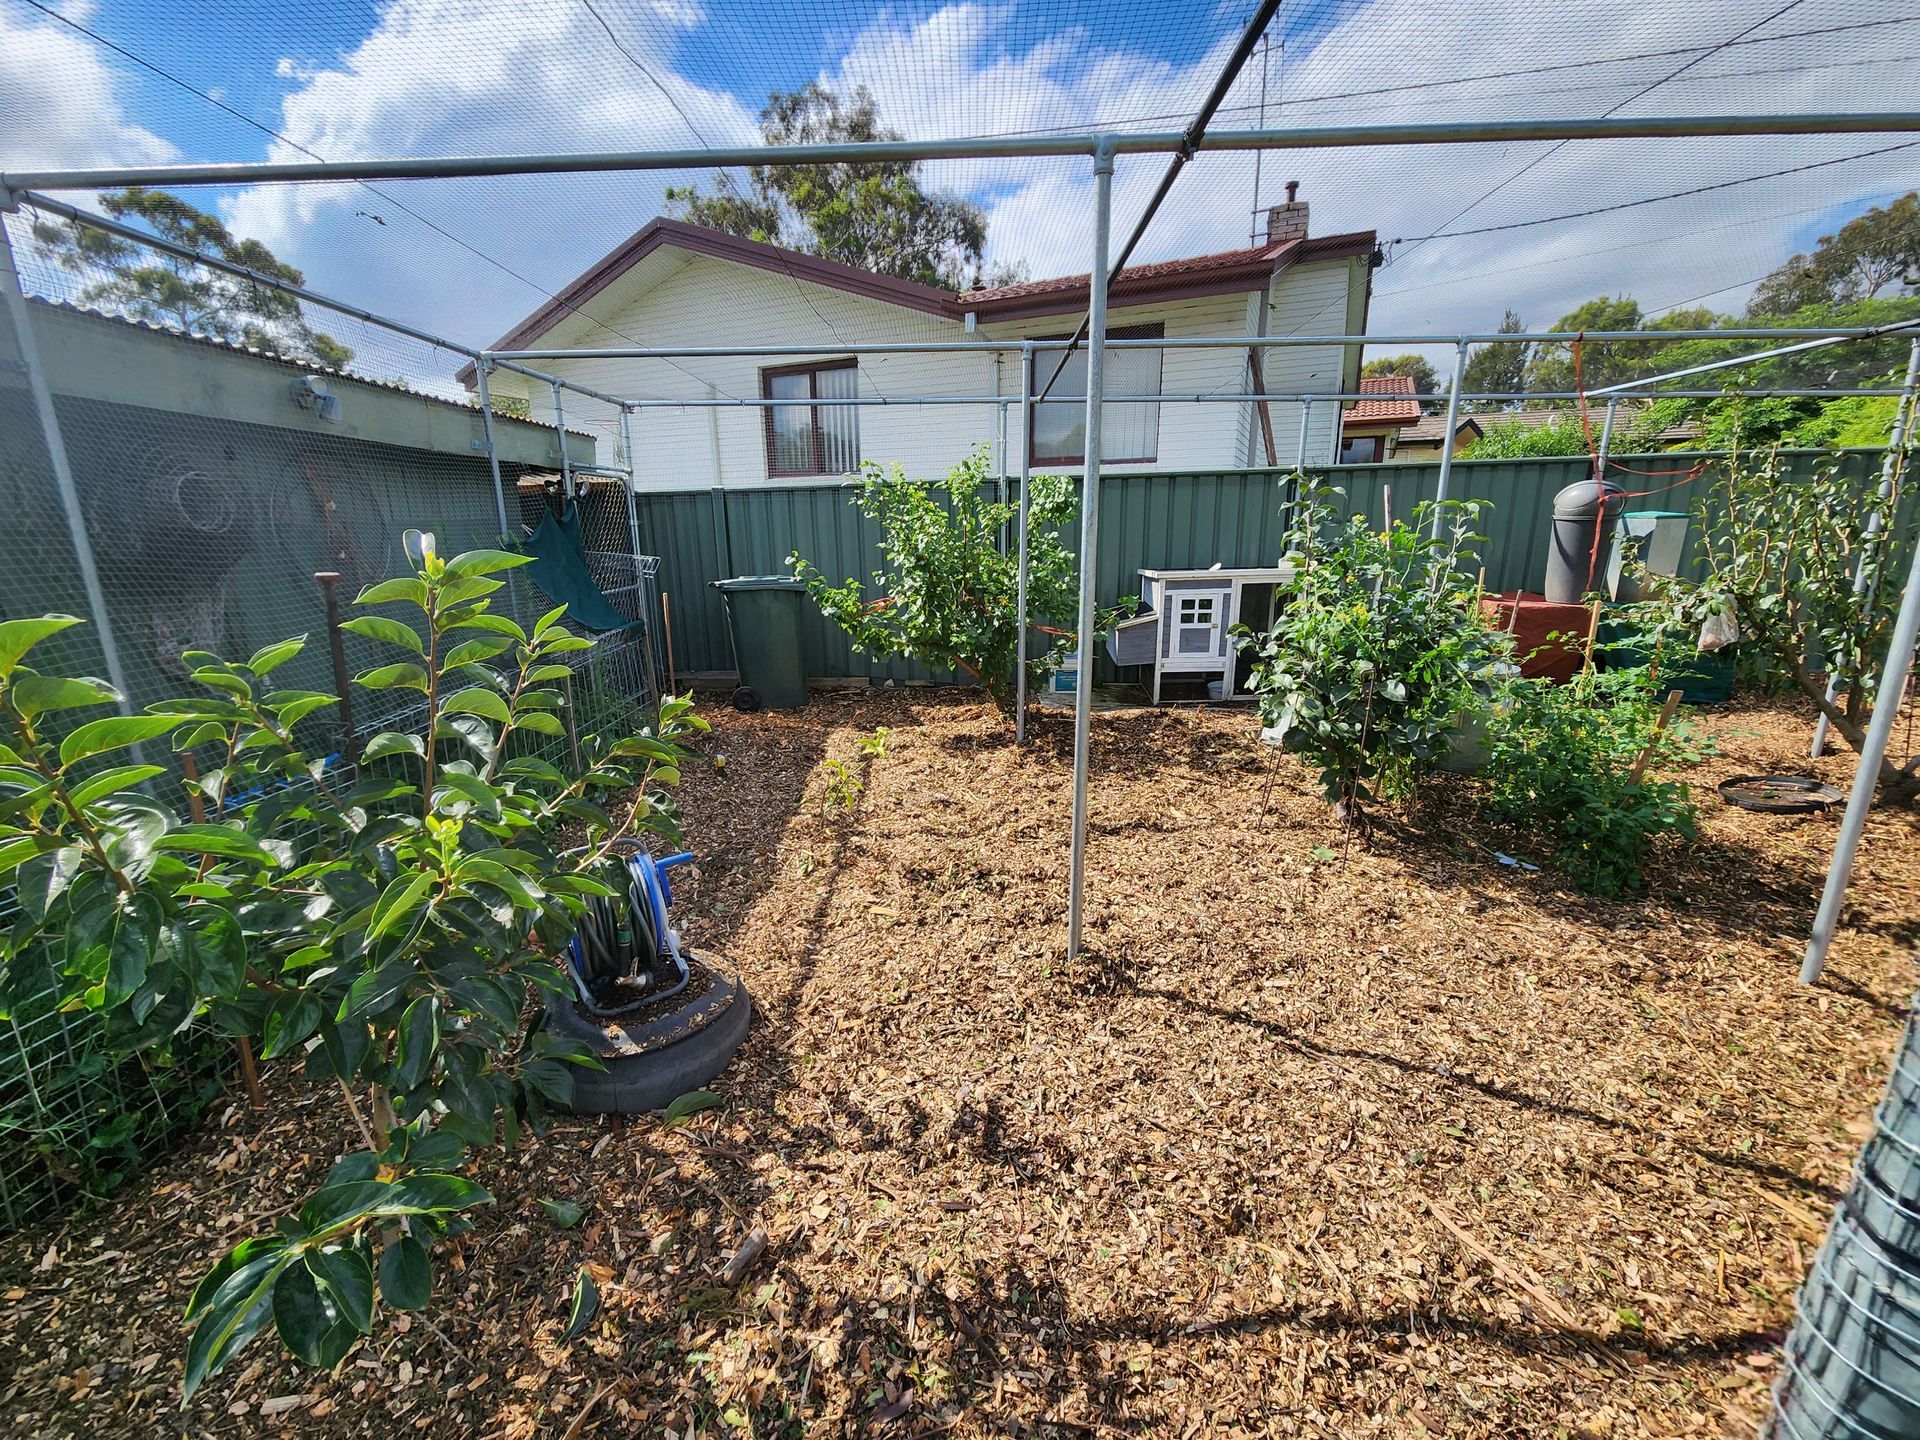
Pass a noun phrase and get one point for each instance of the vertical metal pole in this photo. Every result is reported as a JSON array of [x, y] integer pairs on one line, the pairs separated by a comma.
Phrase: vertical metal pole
[[999, 455], [1446, 441], [633, 472], [16, 302], [482, 368], [1893, 679], [1020, 602], [1606, 438], [1300, 451], [1889, 470], [1090, 534], [560, 430]]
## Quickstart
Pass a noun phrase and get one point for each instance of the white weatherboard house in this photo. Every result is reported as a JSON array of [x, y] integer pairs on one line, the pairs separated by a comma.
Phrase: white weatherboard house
[[674, 284]]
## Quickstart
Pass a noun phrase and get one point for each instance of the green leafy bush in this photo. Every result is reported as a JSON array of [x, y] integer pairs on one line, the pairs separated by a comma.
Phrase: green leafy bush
[[1516, 441], [1563, 756], [387, 928], [1377, 647], [1781, 556], [948, 594]]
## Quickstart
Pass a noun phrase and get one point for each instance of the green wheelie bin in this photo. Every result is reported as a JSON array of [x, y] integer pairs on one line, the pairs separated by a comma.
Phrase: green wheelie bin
[[763, 617]]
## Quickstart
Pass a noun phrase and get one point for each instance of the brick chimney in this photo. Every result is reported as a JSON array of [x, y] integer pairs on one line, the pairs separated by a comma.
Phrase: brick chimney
[[1289, 221]]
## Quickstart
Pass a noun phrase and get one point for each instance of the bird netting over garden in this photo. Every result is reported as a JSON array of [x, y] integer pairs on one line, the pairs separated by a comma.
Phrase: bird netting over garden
[[1467, 231]]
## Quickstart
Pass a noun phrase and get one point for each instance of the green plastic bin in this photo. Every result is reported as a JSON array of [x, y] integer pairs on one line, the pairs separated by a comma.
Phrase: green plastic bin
[[763, 617]]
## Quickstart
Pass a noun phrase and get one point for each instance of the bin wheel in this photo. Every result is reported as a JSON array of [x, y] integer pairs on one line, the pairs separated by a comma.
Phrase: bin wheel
[[746, 700]]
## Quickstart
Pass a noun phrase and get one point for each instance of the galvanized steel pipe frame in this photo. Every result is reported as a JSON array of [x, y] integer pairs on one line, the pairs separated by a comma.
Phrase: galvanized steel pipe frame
[[1089, 540], [1873, 748], [1094, 144], [1889, 469]]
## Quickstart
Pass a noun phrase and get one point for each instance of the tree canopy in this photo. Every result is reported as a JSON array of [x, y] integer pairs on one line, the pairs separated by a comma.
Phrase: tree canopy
[[150, 285], [1498, 369], [878, 217], [1866, 256], [1425, 381]]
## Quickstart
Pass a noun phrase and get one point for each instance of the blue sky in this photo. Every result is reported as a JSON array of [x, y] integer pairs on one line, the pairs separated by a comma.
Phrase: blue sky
[[420, 76]]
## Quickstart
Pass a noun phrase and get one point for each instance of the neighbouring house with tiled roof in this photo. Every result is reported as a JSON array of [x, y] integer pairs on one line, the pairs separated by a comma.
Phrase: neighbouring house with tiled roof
[[1370, 428], [675, 285]]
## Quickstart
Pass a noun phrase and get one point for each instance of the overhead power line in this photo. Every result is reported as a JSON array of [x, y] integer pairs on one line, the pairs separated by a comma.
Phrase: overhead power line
[[1653, 199]]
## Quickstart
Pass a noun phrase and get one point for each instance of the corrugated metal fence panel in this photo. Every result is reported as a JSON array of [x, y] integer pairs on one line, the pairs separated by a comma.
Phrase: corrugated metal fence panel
[[1148, 520]]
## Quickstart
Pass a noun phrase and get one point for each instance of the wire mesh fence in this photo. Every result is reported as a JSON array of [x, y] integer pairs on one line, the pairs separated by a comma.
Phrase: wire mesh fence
[[218, 485]]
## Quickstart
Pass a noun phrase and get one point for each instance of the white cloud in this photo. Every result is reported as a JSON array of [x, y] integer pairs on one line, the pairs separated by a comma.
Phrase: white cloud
[[59, 103], [447, 77]]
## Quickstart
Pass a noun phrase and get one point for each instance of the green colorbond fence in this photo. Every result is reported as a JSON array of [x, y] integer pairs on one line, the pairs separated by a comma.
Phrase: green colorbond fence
[[1147, 520]]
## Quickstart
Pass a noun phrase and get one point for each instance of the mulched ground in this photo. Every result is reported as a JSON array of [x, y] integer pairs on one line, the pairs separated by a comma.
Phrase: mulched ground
[[1402, 1143]]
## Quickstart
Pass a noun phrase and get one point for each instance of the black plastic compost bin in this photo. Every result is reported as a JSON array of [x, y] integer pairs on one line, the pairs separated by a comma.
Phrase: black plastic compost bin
[[763, 616]]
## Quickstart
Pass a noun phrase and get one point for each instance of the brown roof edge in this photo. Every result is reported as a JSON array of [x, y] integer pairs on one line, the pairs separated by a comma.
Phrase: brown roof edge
[[1230, 272], [678, 234]]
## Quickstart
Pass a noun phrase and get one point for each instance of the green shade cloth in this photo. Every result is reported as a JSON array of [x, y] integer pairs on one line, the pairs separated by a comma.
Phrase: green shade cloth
[[559, 568]]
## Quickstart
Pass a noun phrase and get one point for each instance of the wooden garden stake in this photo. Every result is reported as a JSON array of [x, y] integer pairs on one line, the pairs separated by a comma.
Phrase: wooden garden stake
[[197, 808], [1593, 630], [666, 626], [1659, 725]]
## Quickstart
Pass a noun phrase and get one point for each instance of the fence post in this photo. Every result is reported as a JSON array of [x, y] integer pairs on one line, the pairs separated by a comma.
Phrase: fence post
[[1446, 441], [560, 430], [633, 469], [1863, 575], [1020, 588], [1089, 533], [16, 302], [1300, 450], [1606, 439], [482, 368]]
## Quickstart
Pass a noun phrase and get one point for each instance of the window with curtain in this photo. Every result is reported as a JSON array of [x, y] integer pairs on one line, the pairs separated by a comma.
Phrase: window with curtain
[[1129, 434], [807, 438]]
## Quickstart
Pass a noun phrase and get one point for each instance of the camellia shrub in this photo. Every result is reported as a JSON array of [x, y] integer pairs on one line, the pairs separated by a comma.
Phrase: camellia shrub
[[1378, 647], [948, 596], [389, 930]]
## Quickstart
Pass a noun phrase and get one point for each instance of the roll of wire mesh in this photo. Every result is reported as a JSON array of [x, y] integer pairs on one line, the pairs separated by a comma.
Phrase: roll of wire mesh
[[1852, 1362]]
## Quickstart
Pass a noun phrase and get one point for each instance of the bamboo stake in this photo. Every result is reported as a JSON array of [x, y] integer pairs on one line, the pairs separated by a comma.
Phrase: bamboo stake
[[1659, 726], [197, 808], [666, 628], [1593, 630]]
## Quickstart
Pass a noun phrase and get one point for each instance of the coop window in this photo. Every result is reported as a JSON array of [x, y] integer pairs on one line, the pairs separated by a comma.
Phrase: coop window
[[1196, 611]]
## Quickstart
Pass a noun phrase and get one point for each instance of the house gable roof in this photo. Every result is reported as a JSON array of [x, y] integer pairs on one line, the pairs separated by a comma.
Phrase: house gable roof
[[1225, 272]]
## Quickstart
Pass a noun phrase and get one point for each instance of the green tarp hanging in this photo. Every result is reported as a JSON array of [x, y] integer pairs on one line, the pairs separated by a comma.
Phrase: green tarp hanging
[[559, 568]]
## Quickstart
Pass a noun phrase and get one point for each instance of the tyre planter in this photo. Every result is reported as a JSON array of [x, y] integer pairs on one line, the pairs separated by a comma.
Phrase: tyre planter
[[656, 1053]]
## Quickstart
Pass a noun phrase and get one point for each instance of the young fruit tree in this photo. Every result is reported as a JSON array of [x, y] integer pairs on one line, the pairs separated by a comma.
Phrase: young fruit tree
[[389, 929], [1804, 568], [1378, 647], [948, 595]]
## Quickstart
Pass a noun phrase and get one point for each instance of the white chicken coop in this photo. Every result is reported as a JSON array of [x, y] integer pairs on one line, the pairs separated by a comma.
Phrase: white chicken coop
[[1186, 619]]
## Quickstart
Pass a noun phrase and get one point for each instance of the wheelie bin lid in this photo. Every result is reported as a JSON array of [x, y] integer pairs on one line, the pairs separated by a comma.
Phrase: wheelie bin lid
[[758, 582]]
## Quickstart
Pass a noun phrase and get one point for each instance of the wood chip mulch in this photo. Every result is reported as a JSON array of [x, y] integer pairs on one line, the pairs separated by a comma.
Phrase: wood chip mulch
[[1401, 1143]]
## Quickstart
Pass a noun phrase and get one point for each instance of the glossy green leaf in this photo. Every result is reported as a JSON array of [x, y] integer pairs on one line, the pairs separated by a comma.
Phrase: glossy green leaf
[[271, 657], [398, 901], [476, 700], [235, 1314], [302, 1313], [404, 676], [392, 742], [376, 990], [39, 694], [335, 1204], [692, 1103], [485, 562], [406, 1274], [419, 1038], [292, 1019], [348, 1281], [563, 1213], [386, 630], [112, 782], [228, 842], [586, 1305], [473, 652], [402, 587], [17, 637]]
